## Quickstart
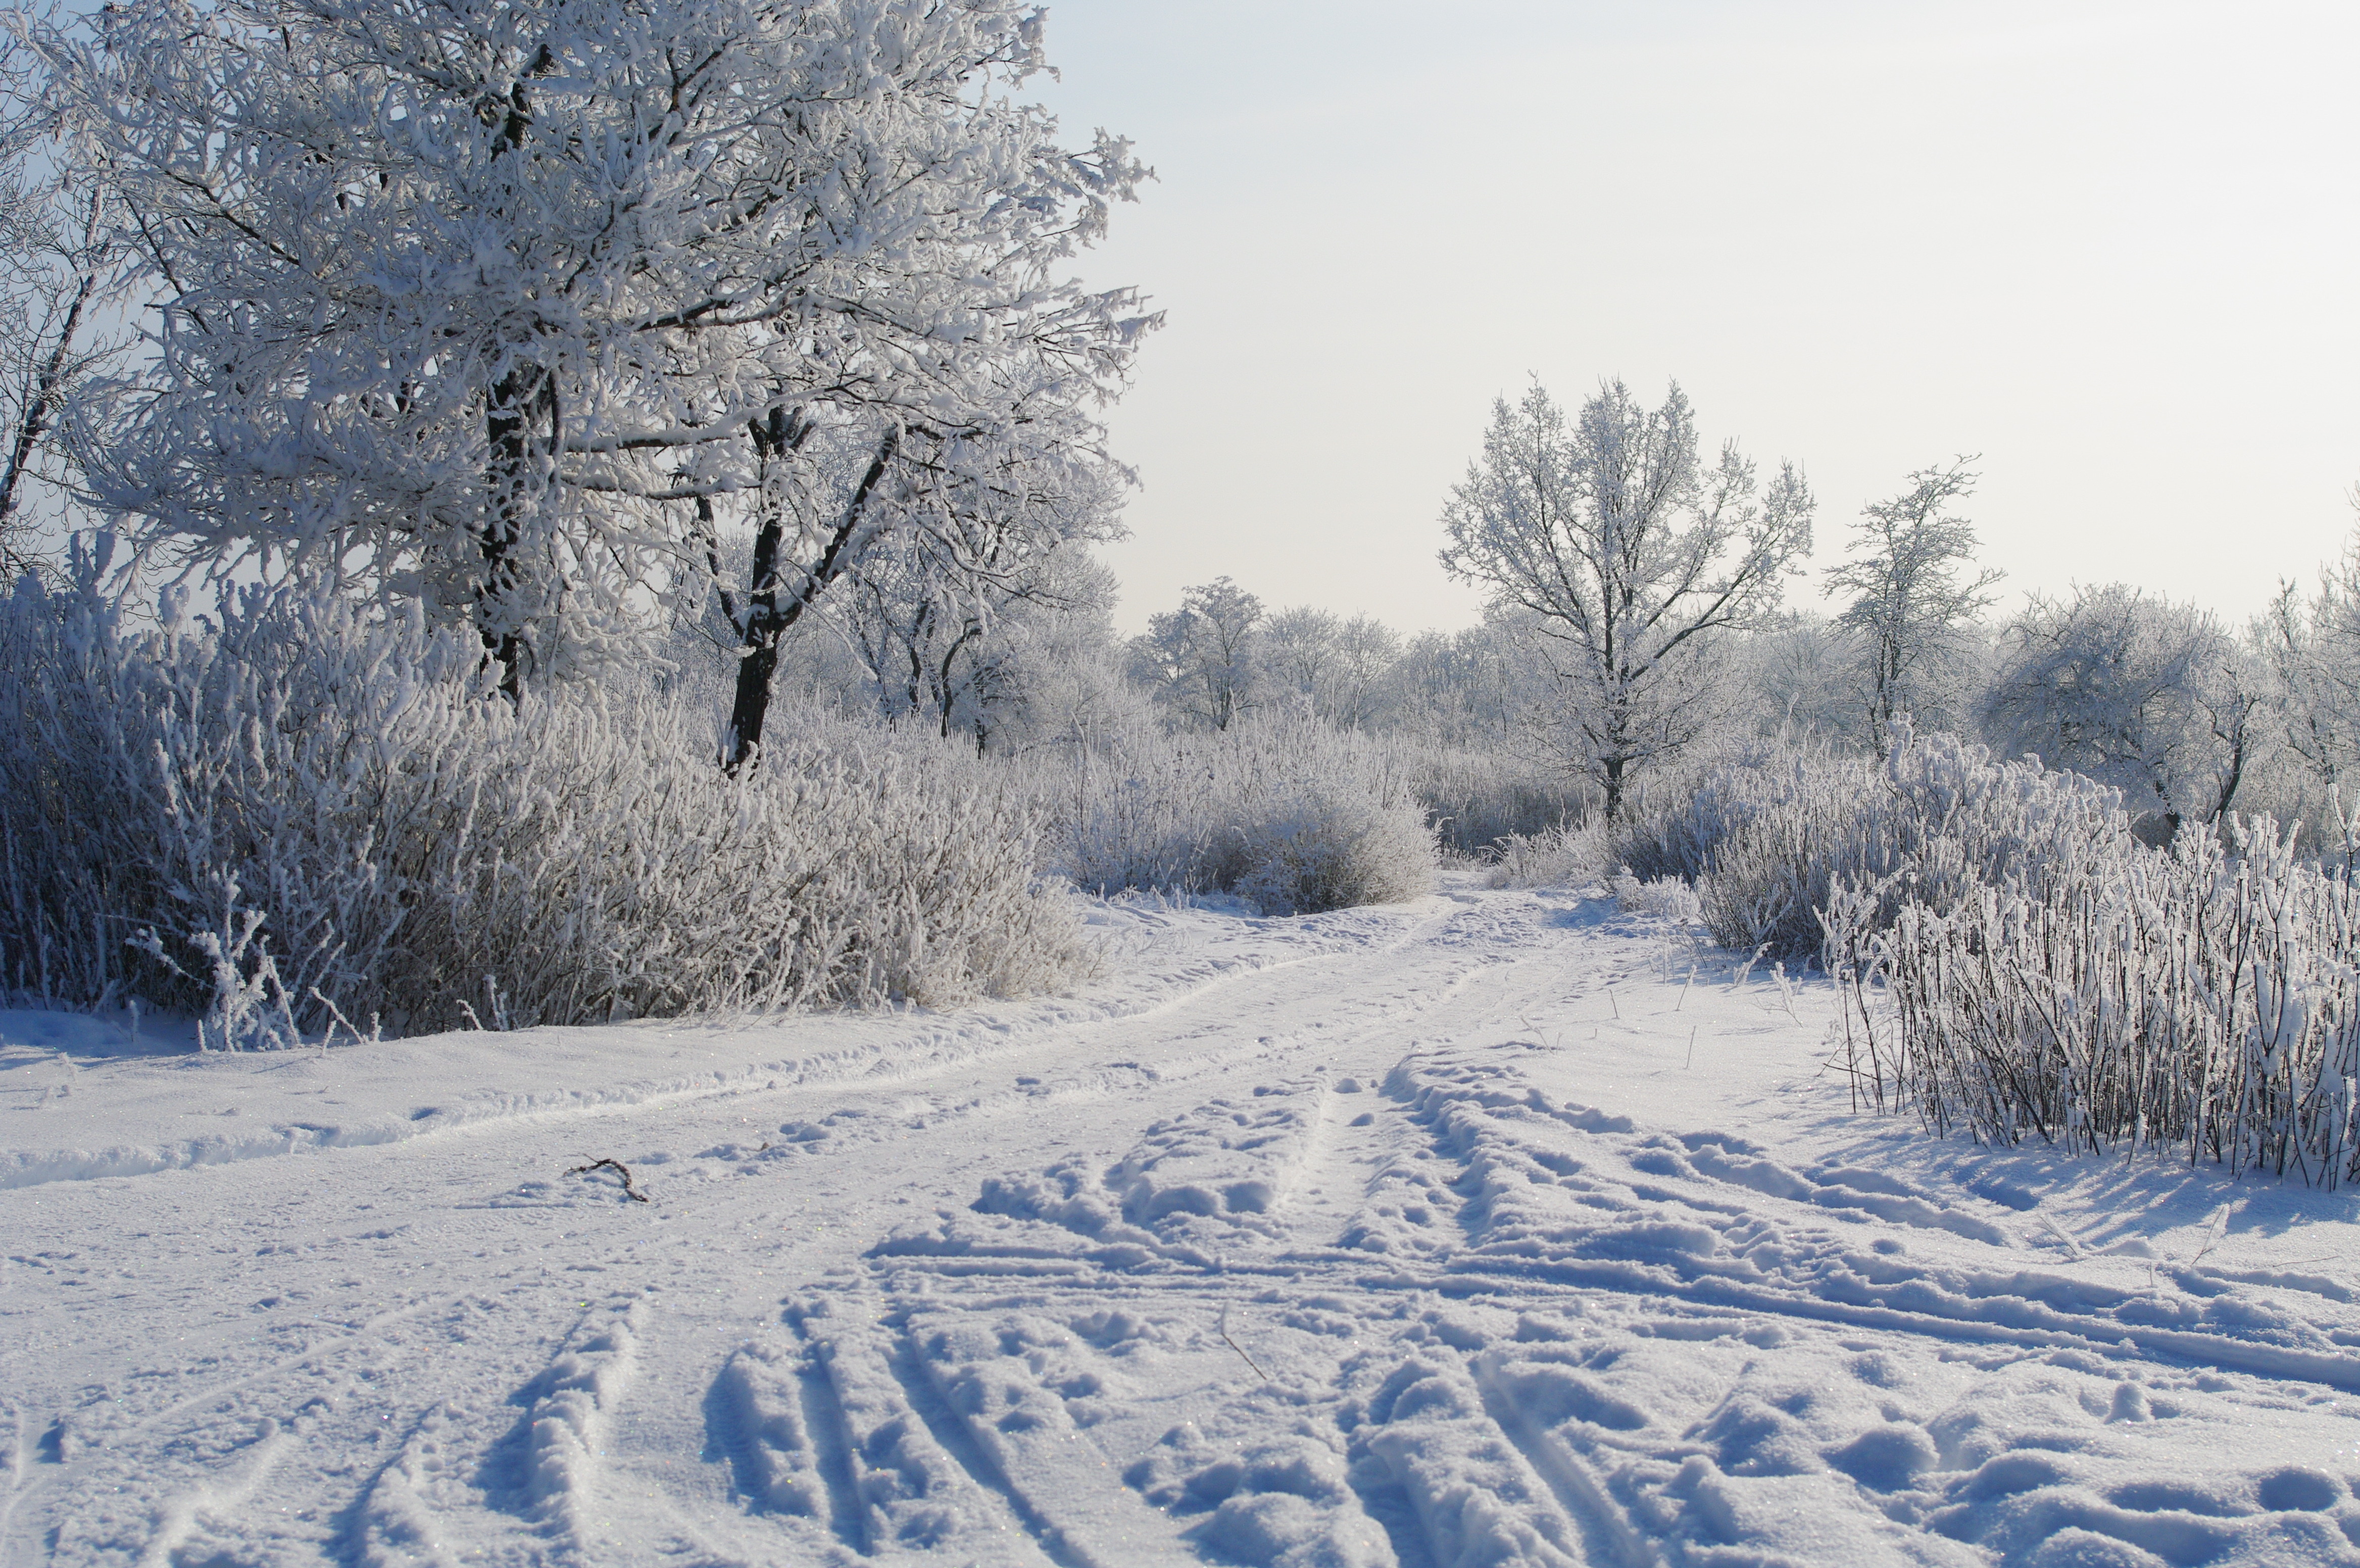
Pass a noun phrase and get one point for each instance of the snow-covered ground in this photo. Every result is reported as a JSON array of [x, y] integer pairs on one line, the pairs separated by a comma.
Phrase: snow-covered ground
[[1486, 1230]]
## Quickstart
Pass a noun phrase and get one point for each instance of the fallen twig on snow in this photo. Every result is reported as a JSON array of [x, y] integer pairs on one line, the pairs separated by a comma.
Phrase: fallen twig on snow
[[617, 1166], [1224, 1332]]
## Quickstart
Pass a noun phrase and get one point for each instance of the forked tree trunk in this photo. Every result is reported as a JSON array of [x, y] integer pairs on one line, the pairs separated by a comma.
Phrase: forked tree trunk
[[769, 612]]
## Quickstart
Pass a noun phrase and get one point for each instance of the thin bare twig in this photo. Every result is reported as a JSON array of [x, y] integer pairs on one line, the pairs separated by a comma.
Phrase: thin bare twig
[[617, 1166], [1250, 1360]]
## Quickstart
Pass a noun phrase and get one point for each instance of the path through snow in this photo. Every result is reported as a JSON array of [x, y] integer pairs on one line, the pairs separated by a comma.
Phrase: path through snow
[[1467, 1233]]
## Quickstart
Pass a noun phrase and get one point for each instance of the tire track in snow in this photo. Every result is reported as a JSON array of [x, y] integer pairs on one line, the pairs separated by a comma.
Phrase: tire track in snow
[[942, 1043], [894, 1448], [221, 1431], [911, 1488], [1607, 1530], [1497, 1449], [1678, 1241]]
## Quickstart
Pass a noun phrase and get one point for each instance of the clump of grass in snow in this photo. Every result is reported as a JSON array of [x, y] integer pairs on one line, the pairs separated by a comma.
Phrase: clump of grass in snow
[[2192, 1000], [1569, 855]]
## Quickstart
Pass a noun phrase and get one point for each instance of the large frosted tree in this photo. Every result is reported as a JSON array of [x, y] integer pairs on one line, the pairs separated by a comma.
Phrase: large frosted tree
[[516, 305], [1628, 556]]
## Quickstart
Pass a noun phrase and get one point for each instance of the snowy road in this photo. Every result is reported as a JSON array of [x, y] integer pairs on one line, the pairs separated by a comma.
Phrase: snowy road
[[1473, 1231]]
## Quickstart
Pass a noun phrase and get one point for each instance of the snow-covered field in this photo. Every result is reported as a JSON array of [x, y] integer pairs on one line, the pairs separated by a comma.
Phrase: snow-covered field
[[1485, 1230]]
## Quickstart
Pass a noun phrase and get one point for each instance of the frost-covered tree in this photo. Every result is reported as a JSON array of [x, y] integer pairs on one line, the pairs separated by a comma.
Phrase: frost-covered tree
[[1472, 688], [945, 615], [1200, 659], [2311, 651], [2150, 697], [1366, 651], [1334, 665], [1799, 669], [1056, 661], [1911, 602], [515, 305], [56, 255], [1298, 651], [1629, 556]]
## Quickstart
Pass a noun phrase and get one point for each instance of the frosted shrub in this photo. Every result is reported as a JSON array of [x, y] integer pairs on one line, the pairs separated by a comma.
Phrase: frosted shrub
[[1329, 845], [1570, 855], [1477, 801], [2186, 999], [1284, 811], [301, 817], [1666, 898], [1768, 836]]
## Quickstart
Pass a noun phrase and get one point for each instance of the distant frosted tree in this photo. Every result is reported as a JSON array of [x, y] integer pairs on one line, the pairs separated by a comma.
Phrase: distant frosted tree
[[1366, 651], [1472, 688], [516, 305], [1298, 651], [1337, 666], [2152, 697], [942, 613], [2310, 649], [1629, 556], [1800, 669], [1056, 659], [1199, 659], [1911, 598]]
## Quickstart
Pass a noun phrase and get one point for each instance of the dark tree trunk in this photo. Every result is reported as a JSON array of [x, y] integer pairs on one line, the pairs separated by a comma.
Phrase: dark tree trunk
[[946, 688], [506, 424], [40, 408], [522, 393], [769, 612]]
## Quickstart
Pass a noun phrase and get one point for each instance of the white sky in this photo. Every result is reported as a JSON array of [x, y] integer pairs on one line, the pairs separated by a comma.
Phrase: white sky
[[2110, 246]]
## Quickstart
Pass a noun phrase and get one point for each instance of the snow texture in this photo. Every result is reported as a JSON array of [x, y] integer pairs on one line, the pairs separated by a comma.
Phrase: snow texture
[[1467, 1232]]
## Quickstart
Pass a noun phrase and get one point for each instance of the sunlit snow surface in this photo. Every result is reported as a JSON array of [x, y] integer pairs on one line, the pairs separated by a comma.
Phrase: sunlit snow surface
[[1473, 1231]]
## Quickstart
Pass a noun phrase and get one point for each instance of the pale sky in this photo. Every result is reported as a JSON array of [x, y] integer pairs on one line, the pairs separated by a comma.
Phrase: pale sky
[[2109, 247]]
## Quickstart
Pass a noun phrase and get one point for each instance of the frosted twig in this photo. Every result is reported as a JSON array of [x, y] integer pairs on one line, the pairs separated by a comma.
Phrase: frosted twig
[[335, 1016], [1745, 971], [2212, 1234], [2062, 1234], [1224, 1332]]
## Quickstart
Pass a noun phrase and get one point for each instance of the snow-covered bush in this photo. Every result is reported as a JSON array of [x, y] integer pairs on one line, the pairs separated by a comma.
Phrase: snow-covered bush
[[2202, 999], [1478, 800], [1568, 855], [299, 815], [1666, 898], [1280, 809], [1769, 836]]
